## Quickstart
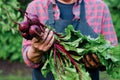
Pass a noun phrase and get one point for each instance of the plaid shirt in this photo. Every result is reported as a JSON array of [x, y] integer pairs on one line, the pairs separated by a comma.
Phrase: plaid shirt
[[97, 15]]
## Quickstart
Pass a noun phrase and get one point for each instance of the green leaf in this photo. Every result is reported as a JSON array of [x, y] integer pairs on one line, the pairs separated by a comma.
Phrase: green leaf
[[45, 69]]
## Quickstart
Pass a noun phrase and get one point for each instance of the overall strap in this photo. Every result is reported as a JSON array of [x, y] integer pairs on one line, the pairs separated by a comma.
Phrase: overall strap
[[82, 12], [50, 15]]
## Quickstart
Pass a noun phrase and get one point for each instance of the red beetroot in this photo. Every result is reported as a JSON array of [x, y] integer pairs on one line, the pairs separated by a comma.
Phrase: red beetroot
[[26, 36], [24, 26], [32, 19], [34, 31]]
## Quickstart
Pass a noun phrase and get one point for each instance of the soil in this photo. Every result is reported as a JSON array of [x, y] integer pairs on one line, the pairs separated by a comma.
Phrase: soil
[[16, 68]]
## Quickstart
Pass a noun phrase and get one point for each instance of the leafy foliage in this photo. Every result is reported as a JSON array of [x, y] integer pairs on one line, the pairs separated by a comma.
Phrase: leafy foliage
[[65, 58], [10, 47]]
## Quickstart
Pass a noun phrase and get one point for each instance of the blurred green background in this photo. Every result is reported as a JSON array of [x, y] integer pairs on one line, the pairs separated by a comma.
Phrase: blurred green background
[[10, 39]]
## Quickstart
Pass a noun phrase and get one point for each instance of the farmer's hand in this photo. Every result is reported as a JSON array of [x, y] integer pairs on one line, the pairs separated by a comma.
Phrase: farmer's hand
[[91, 61], [40, 45], [45, 42]]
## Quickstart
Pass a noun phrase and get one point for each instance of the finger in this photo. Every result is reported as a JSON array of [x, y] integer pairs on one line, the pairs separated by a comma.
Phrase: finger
[[37, 39], [45, 35], [37, 43], [83, 60], [49, 44], [40, 37], [34, 40], [34, 43], [95, 57], [86, 63], [49, 38], [90, 61]]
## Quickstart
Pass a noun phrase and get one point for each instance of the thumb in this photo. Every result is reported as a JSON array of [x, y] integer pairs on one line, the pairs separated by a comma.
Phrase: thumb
[[37, 39]]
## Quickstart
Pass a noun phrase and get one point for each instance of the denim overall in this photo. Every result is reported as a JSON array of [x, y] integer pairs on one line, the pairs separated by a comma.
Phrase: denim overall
[[59, 26]]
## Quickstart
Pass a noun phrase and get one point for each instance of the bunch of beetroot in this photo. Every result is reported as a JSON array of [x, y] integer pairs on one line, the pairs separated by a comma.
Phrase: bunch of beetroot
[[65, 55], [31, 27]]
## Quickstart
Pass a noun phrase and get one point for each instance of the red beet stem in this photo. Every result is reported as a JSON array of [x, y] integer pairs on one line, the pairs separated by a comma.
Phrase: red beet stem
[[61, 48], [58, 54], [54, 51], [10, 16]]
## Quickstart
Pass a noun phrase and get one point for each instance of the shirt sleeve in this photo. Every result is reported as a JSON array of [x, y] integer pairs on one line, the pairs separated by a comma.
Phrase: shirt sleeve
[[107, 27], [26, 44]]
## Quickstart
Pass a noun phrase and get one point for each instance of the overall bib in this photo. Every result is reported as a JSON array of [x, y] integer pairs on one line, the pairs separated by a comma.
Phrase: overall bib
[[59, 26]]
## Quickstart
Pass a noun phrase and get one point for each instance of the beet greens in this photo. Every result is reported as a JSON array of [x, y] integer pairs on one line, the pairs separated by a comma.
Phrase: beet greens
[[65, 55]]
